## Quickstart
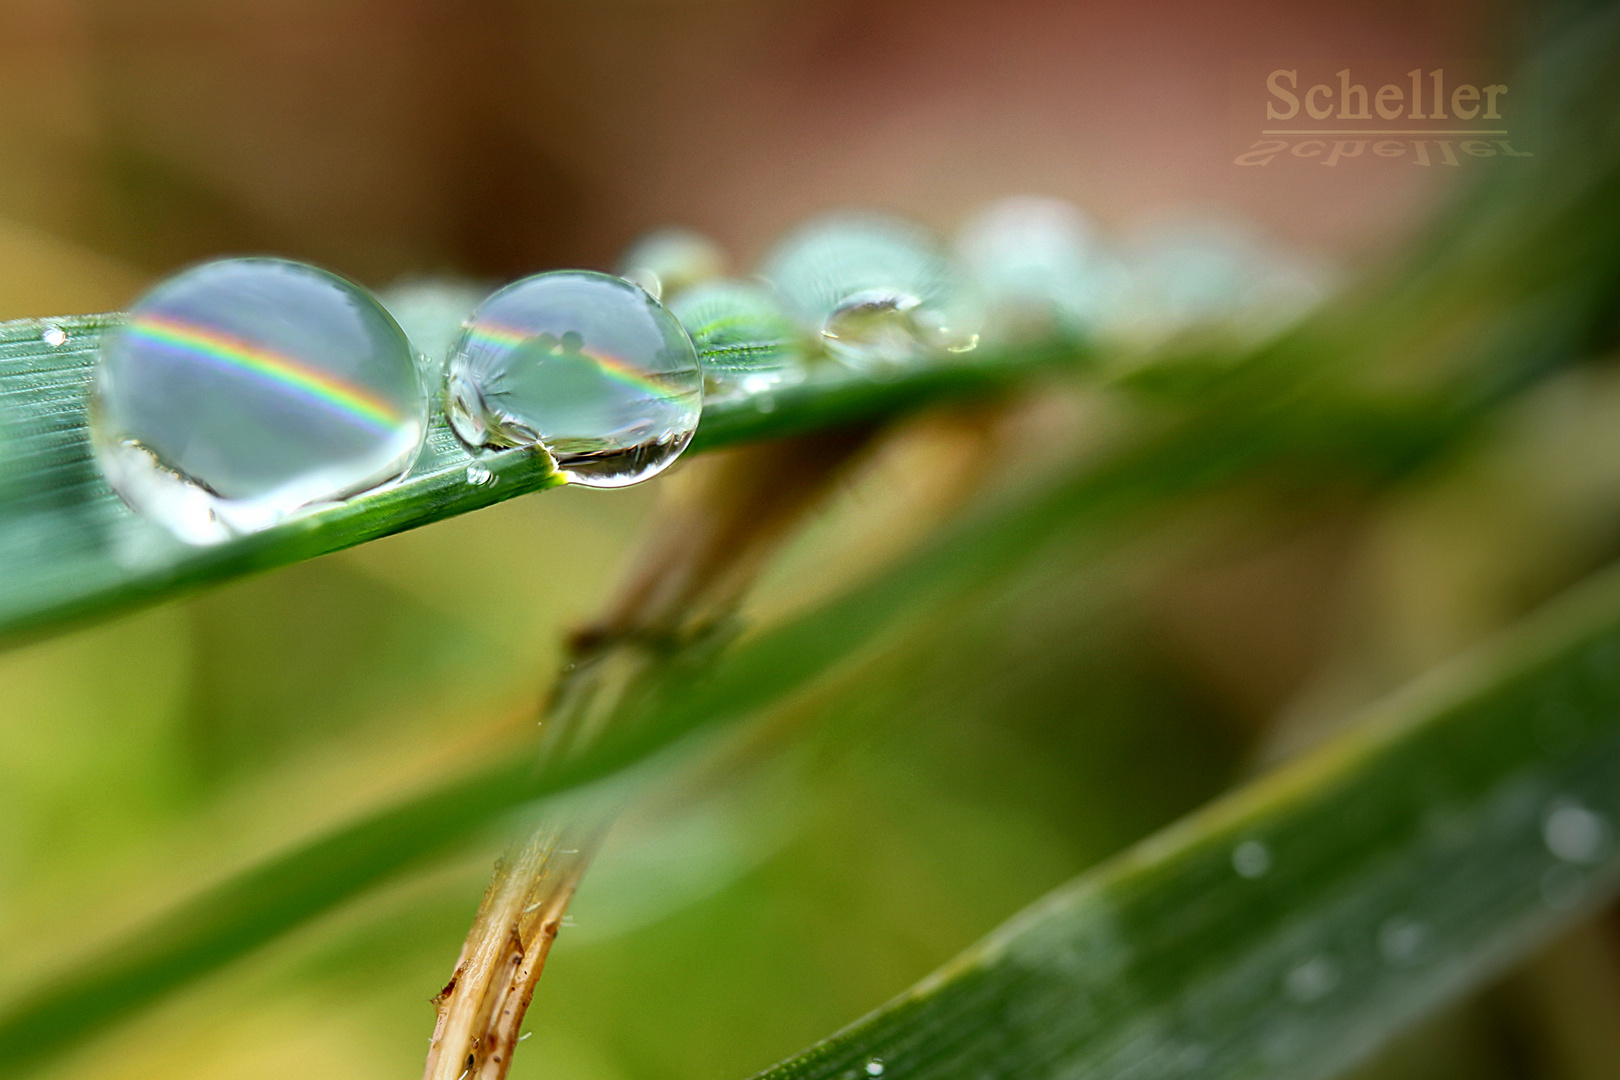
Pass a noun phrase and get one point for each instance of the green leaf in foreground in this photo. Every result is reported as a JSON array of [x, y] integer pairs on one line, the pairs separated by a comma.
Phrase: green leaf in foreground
[[1294, 927]]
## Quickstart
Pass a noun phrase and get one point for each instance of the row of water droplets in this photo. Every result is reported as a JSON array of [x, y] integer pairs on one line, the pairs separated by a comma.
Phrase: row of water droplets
[[243, 391], [1577, 837]]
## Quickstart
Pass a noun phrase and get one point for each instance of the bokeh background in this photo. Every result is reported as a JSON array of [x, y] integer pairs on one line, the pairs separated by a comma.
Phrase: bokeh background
[[757, 901]]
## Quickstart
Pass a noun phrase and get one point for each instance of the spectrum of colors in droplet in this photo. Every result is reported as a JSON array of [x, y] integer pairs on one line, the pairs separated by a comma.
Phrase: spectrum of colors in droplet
[[355, 403], [510, 337]]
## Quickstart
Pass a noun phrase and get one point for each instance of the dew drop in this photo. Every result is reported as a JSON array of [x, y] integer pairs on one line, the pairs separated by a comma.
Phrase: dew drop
[[588, 367], [878, 291], [874, 1067], [1403, 941], [1575, 834], [54, 336], [243, 390], [669, 261], [749, 345], [478, 474], [1251, 859], [1312, 980], [1042, 267]]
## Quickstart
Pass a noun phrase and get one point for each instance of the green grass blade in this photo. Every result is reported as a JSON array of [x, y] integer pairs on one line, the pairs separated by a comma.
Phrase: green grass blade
[[1292, 928], [70, 550]]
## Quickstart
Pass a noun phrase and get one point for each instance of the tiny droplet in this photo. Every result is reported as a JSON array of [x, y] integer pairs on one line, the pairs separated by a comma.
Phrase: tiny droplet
[[1251, 859], [1402, 940], [478, 474], [54, 336], [1312, 980], [1575, 834]]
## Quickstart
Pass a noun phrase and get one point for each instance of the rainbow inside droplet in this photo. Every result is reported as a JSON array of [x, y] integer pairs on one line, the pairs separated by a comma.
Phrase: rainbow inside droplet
[[243, 390]]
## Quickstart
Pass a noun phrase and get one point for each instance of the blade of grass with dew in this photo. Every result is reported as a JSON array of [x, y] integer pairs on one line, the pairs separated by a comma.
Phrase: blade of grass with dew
[[1291, 929], [70, 549]]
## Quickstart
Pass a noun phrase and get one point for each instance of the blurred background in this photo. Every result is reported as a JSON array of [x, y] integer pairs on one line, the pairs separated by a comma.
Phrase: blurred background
[[743, 909]]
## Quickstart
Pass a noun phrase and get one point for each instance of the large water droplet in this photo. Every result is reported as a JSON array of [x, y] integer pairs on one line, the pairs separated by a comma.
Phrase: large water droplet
[[877, 290], [588, 367], [748, 343], [669, 261], [243, 390]]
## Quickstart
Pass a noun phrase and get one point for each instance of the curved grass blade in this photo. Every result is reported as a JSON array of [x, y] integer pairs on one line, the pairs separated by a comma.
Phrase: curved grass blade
[[1291, 929], [70, 549]]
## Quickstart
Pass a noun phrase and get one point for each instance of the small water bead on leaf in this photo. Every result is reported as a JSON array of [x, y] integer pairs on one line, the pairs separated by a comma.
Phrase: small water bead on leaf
[[877, 290], [1202, 273], [669, 261], [1042, 268], [243, 390], [1251, 859], [54, 336], [585, 366], [1574, 833], [747, 342]]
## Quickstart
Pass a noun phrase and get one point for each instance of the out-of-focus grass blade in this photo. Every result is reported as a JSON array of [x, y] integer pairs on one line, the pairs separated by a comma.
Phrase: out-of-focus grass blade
[[70, 549], [1292, 928]]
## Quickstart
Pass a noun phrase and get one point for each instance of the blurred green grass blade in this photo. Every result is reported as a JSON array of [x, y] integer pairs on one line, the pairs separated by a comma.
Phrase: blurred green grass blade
[[69, 549], [1292, 928]]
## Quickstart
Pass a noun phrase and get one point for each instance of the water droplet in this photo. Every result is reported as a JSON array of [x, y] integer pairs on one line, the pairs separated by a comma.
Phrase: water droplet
[[54, 336], [874, 1067], [478, 474], [1403, 941], [669, 261], [586, 366], [1251, 859], [1195, 272], [877, 290], [1575, 834], [243, 390], [1312, 980], [747, 342], [1042, 267]]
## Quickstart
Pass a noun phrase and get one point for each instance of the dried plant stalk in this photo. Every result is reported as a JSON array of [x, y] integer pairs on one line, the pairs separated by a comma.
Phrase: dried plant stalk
[[710, 538]]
